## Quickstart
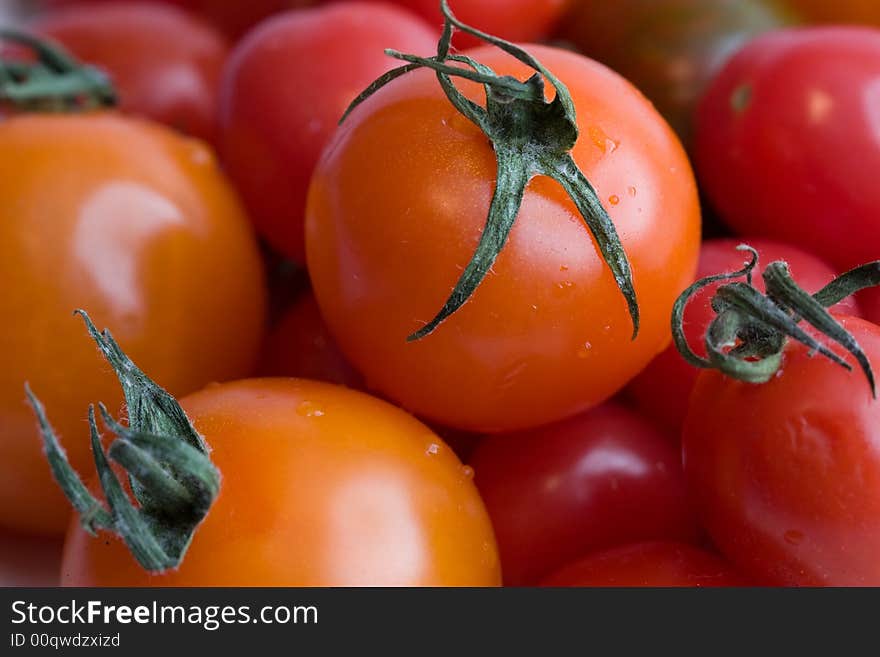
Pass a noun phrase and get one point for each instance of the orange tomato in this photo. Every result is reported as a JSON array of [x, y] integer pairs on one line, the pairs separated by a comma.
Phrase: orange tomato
[[397, 207], [322, 486], [138, 225]]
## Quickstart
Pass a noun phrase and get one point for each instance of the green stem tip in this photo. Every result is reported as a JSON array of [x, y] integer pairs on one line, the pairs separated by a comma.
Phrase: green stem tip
[[748, 334], [170, 475], [531, 137]]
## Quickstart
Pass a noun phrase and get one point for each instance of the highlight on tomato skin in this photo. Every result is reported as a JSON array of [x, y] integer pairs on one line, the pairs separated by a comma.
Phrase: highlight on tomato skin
[[164, 62], [272, 133], [663, 389], [654, 564], [321, 486], [604, 478]]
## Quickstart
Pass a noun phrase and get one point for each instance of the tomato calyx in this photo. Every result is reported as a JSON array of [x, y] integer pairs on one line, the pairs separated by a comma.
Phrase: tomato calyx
[[747, 337], [531, 137], [170, 473], [54, 82]]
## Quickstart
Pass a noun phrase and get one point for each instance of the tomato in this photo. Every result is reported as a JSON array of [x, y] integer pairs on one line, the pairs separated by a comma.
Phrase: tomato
[[786, 474], [841, 11], [514, 20], [301, 346], [656, 564], [547, 334], [870, 299], [663, 389], [322, 486], [669, 49], [165, 64], [29, 561], [787, 141], [273, 132], [601, 479], [137, 224]]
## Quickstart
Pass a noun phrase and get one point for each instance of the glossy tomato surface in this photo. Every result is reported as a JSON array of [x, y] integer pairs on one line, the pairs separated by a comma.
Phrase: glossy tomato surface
[[604, 478], [285, 89], [669, 49], [396, 209], [663, 389], [788, 141], [786, 475], [137, 225], [165, 64], [322, 486], [655, 564]]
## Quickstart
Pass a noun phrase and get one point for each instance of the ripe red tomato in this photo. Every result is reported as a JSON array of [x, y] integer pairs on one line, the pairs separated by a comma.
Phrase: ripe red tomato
[[165, 64], [788, 141], [301, 346], [322, 486], [397, 207], [664, 388], [137, 224], [654, 564], [786, 474], [604, 478], [284, 90], [514, 20]]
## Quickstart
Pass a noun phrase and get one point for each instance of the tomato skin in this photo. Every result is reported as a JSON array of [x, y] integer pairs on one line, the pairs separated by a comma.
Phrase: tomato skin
[[137, 225], [272, 133], [301, 346], [656, 564], [811, 184], [786, 475], [547, 334], [604, 478], [840, 12], [322, 486], [669, 49], [663, 389], [165, 64]]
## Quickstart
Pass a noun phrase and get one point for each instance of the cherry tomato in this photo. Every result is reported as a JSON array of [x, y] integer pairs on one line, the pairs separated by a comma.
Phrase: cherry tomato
[[669, 49], [602, 479], [656, 564], [786, 474], [870, 300], [322, 486], [514, 20], [165, 64], [29, 561], [663, 389], [788, 141], [301, 346], [547, 333], [286, 87], [137, 224]]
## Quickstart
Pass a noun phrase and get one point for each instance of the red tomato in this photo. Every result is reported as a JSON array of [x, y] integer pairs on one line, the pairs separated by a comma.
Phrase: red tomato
[[788, 141], [29, 561], [786, 475], [514, 20], [663, 389], [322, 486], [301, 346], [870, 300], [165, 64], [648, 564], [284, 90], [604, 478], [397, 207]]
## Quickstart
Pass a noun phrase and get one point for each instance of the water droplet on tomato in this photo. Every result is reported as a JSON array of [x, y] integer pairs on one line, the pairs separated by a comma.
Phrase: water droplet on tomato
[[631, 191], [467, 472], [614, 200], [433, 449], [584, 350], [309, 409]]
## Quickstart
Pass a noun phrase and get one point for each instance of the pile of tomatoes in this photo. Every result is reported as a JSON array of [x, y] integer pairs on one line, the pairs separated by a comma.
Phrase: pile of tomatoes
[[270, 267]]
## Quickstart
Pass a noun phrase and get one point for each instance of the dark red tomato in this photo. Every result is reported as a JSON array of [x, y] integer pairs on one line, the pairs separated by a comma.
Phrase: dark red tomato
[[165, 63], [662, 391], [514, 20], [669, 49], [284, 90], [788, 141], [604, 478], [655, 564], [870, 300], [301, 346], [786, 475], [234, 17]]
